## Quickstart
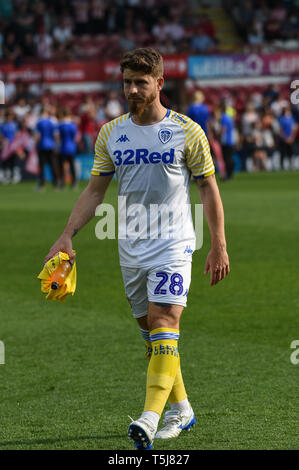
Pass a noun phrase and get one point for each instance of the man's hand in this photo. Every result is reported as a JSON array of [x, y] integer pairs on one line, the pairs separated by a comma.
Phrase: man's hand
[[217, 260], [64, 243], [217, 264]]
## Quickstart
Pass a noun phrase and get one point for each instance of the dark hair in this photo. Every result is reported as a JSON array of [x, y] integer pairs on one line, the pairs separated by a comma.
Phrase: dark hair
[[143, 59]]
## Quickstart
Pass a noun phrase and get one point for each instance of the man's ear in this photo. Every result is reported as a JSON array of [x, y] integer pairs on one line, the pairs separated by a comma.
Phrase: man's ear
[[160, 83]]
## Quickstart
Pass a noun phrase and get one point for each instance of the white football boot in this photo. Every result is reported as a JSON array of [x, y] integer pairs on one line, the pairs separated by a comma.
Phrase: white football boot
[[142, 432], [174, 423]]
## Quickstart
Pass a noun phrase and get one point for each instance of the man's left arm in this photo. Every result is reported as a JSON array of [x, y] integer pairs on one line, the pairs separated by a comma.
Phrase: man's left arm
[[217, 262]]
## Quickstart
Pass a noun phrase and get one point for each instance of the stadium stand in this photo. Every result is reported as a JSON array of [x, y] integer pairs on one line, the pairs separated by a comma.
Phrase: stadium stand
[[36, 33]]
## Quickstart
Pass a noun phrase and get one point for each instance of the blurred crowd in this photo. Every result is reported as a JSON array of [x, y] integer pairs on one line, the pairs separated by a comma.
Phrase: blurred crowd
[[266, 21], [258, 133], [72, 29], [249, 134], [255, 129], [23, 139], [68, 29]]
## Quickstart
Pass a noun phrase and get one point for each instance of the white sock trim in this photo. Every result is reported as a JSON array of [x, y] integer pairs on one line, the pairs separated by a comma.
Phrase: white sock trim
[[145, 334], [183, 406]]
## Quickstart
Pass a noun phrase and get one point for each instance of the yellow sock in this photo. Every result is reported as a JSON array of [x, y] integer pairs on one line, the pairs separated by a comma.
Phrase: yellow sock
[[178, 392], [162, 368]]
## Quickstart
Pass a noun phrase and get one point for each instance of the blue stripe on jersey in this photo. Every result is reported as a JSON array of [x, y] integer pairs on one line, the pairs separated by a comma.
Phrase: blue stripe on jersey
[[166, 335], [106, 174]]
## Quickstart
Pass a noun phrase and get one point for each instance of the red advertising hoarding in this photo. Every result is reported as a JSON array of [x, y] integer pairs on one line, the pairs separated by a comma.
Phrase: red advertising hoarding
[[89, 71]]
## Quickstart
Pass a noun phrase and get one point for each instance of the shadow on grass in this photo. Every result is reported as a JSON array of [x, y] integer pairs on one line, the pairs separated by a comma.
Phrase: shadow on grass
[[52, 441]]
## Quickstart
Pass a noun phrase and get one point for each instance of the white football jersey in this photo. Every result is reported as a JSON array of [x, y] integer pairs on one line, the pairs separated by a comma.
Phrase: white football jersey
[[153, 166]]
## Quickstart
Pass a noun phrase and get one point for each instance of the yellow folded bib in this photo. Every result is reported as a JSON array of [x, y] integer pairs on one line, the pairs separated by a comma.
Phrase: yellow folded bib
[[69, 286]]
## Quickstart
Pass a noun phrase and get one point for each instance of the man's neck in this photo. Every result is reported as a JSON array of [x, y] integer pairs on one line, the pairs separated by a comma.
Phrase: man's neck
[[153, 114]]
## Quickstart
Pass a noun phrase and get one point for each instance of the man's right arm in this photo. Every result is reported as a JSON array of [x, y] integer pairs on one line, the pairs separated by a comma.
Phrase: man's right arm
[[82, 213]]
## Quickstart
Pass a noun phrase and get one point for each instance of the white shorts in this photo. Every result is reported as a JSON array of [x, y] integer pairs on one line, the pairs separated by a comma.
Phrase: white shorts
[[167, 284]]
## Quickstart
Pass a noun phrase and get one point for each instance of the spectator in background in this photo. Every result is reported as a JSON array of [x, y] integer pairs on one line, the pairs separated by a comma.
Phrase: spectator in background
[[174, 30], [10, 89], [24, 21], [81, 12], [22, 90], [40, 17], [203, 22], [273, 23], [214, 140], [207, 26], [256, 34], [167, 47], [28, 46], [127, 40], [62, 33], [68, 146], [279, 12], [228, 100], [8, 130], [279, 105], [227, 140], [11, 48], [88, 105], [201, 42], [248, 120], [30, 121], [271, 93], [46, 137], [114, 19], [141, 33], [44, 43], [88, 129], [259, 147], [63, 39], [159, 30], [290, 27], [100, 110], [21, 109], [288, 130], [97, 16], [199, 112], [270, 128], [113, 107]]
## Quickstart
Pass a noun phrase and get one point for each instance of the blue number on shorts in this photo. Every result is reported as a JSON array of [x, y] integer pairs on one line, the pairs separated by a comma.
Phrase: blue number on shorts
[[176, 280], [158, 289], [176, 284]]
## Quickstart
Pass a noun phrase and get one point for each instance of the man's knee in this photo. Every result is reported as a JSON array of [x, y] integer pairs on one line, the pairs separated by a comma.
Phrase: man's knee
[[164, 315]]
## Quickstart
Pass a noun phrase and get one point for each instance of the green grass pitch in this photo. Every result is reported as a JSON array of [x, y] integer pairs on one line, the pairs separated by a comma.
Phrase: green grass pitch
[[73, 372]]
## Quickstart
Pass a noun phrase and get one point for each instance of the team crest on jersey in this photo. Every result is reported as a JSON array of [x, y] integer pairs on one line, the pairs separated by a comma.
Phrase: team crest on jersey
[[165, 135]]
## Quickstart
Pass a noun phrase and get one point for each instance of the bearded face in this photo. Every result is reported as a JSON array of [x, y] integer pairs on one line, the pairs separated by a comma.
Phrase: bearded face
[[141, 90], [137, 105]]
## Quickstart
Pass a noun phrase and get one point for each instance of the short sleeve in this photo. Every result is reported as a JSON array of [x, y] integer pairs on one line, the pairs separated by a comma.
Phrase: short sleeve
[[198, 155], [102, 164]]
